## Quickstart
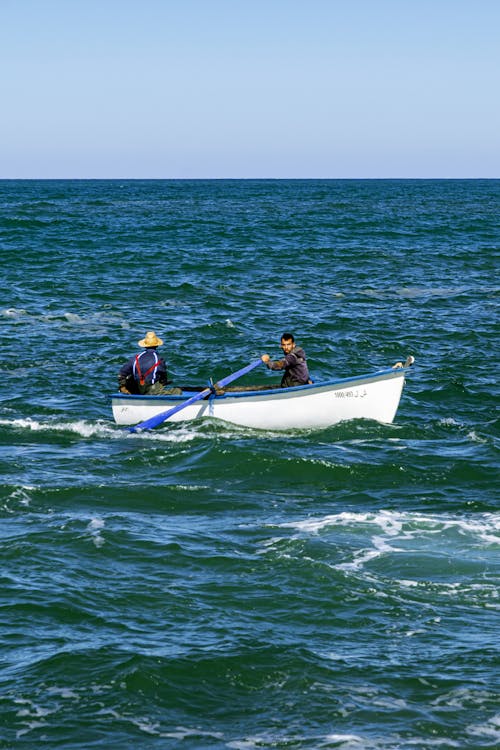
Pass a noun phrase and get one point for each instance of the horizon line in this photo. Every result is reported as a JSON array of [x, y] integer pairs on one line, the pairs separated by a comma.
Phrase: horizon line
[[227, 179]]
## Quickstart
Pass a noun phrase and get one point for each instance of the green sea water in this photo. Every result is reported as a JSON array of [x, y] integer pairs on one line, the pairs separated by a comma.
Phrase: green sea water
[[210, 586]]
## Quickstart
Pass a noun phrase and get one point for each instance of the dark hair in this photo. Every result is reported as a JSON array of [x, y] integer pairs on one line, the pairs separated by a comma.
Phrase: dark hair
[[288, 337]]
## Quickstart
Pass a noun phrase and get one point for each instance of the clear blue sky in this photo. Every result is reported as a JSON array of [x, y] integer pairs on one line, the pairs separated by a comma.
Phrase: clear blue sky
[[249, 88]]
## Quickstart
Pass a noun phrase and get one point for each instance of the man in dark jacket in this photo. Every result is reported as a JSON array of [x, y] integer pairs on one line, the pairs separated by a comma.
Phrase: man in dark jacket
[[293, 363], [146, 372]]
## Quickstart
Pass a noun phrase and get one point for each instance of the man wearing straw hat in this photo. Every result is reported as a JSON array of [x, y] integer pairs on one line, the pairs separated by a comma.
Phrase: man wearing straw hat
[[146, 372]]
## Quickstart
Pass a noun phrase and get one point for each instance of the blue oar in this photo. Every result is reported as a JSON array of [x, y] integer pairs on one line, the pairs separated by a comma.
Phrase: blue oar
[[149, 424]]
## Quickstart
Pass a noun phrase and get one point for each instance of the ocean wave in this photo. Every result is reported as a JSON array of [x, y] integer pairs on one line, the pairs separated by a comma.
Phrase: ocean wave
[[82, 427], [484, 528], [442, 552], [206, 585]]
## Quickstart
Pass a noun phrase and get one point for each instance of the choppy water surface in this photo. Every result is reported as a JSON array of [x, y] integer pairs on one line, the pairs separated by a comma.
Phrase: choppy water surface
[[208, 586]]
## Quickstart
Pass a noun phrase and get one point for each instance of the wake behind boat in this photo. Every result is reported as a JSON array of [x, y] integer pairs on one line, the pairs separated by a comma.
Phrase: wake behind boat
[[369, 396]]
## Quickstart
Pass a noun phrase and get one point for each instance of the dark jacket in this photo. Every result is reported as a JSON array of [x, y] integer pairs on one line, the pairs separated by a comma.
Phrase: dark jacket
[[142, 371], [295, 367]]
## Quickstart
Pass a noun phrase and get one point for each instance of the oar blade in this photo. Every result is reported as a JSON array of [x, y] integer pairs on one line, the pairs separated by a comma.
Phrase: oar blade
[[158, 419]]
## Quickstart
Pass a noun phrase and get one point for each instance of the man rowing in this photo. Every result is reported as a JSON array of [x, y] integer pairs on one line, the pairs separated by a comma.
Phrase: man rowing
[[293, 363]]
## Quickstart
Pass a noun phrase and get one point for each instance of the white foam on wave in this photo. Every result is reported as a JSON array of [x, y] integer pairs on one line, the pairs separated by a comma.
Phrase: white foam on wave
[[184, 432], [387, 520], [80, 427], [489, 730], [203, 429], [98, 318], [392, 532], [340, 741], [179, 435], [182, 733], [33, 710], [465, 698], [96, 523], [472, 435], [74, 318], [189, 487], [343, 741], [94, 527], [21, 496], [346, 740], [449, 422], [380, 547], [485, 527], [412, 292], [63, 692], [32, 716], [14, 312], [148, 726]]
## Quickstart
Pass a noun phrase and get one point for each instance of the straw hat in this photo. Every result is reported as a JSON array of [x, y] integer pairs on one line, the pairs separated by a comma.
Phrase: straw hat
[[150, 339]]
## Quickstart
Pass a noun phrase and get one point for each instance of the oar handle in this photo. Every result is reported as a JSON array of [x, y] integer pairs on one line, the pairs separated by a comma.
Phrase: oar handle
[[238, 374]]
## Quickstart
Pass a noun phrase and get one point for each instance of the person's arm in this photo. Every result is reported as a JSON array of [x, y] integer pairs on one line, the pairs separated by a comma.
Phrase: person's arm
[[278, 364]]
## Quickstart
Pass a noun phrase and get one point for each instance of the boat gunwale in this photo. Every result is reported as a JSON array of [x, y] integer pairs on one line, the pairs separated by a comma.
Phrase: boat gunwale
[[308, 388]]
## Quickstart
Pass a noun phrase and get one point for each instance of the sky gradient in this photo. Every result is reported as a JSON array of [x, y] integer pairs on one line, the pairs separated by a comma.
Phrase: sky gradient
[[249, 88]]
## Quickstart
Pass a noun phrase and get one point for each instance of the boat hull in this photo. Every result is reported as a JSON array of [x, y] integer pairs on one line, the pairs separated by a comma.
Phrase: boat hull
[[374, 396]]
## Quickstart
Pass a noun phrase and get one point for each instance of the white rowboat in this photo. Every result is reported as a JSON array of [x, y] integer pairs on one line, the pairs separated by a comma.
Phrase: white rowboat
[[372, 396]]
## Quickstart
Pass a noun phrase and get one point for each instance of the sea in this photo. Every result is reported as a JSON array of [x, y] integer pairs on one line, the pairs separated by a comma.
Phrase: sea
[[204, 585]]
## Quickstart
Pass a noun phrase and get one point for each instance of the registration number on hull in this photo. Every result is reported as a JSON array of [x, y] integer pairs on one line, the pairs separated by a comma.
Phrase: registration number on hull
[[354, 393]]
